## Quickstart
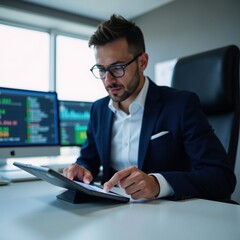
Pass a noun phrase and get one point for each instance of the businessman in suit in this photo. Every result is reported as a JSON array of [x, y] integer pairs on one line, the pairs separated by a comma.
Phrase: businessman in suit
[[152, 141]]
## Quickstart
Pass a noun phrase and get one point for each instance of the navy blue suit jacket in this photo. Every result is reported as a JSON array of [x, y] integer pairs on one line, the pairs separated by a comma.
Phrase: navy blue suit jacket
[[189, 156]]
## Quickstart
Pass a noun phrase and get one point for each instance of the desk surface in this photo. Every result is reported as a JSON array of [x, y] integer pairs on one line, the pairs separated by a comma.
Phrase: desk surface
[[30, 210]]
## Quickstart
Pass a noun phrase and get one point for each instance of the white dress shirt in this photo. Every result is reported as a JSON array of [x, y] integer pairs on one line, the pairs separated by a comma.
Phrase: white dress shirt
[[126, 135]]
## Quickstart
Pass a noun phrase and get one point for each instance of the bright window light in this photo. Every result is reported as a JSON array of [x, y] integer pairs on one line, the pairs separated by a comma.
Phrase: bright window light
[[164, 71], [74, 78], [24, 58]]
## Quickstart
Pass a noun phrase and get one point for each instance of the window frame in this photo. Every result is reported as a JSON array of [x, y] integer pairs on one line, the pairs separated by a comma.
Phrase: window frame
[[53, 33]]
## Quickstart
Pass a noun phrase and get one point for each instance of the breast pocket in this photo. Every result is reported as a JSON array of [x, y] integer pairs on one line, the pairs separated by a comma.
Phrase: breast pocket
[[160, 145], [158, 135]]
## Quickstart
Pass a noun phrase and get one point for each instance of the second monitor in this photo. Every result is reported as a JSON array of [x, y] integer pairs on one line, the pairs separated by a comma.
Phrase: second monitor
[[74, 117]]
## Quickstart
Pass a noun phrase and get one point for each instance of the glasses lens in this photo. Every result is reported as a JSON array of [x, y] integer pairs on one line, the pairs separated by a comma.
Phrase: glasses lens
[[116, 71], [98, 72]]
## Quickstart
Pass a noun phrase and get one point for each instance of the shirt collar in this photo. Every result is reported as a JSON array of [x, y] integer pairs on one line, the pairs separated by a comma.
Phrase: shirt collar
[[138, 102]]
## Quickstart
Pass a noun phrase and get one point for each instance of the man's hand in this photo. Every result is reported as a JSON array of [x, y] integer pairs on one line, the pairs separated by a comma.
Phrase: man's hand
[[75, 171], [135, 183]]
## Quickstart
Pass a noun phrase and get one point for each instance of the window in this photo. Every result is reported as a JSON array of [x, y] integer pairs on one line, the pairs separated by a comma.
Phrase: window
[[24, 58], [164, 71], [25, 64], [74, 78]]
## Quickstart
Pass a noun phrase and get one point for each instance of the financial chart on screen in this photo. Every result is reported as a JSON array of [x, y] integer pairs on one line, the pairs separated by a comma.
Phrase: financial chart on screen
[[28, 123], [73, 118]]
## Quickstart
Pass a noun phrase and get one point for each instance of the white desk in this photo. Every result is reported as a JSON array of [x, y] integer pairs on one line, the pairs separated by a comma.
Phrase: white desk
[[31, 211]]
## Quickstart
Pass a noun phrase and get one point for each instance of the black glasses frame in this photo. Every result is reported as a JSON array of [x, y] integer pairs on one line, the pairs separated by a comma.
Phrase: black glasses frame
[[108, 69]]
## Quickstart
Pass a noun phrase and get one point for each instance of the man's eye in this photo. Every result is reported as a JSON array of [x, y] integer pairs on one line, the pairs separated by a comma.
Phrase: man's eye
[[101, 70], [117, 68]]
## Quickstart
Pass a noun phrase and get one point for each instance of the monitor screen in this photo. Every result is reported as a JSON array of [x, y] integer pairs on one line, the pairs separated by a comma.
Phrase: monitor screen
[[29, 123], [74, 117]]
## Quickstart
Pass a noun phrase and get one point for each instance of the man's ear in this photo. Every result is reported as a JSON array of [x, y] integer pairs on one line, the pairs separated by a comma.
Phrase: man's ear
[[143, 61]]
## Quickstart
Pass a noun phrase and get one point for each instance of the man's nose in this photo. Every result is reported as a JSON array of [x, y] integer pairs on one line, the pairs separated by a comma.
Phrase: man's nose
[[108, 78]]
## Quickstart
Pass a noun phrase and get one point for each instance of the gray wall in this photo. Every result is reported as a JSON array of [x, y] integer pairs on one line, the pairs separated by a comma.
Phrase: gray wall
[[185, 27]]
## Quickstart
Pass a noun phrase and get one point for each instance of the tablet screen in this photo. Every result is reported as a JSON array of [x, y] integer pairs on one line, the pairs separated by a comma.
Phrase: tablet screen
[[95, 188]]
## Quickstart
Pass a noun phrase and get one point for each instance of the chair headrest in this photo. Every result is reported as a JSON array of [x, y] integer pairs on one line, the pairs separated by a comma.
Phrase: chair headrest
[[212, 75]]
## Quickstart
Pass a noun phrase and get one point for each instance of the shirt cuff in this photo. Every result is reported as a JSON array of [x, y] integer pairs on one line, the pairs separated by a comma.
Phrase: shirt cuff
[[165, 188]]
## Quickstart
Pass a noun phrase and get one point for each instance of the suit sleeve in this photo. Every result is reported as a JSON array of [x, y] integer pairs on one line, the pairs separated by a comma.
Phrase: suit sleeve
[[89, 157], [210, 175]]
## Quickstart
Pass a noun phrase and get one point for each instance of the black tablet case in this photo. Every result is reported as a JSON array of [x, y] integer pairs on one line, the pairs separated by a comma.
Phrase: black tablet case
[[75, 193]]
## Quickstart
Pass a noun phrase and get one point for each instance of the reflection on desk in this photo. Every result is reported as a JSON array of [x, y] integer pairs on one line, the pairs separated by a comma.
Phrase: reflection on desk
[[14, 174], [30, 210], [18, 176]]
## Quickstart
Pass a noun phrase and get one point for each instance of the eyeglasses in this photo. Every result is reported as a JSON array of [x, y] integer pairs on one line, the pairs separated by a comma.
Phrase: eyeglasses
[[116, 71]]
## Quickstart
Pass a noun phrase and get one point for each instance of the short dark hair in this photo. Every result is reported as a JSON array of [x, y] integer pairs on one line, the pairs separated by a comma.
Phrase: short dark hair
[[118, 27]]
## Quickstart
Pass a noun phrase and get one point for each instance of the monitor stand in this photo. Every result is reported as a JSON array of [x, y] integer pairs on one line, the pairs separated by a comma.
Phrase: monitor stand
[[3, 162], [3, 167], [4, 182], [10, 173]]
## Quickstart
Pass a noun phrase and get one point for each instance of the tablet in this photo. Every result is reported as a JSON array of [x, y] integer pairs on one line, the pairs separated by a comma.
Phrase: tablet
[[77, 191]]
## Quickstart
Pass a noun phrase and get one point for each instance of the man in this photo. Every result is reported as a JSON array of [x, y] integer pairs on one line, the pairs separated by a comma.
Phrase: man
[[152, 141]]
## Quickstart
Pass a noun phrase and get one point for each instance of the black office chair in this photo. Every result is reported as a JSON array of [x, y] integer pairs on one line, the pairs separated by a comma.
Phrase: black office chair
[[214, 76]]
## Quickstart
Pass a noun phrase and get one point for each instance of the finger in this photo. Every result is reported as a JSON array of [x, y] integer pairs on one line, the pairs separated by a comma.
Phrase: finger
[[83, 174], [87, 177], [132, 179], [118, 176], [137, 195], [65, 172], [148, 188], [73, 171]]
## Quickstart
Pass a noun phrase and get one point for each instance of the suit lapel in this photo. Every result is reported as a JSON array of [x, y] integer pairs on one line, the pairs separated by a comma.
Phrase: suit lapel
[[150, 116]]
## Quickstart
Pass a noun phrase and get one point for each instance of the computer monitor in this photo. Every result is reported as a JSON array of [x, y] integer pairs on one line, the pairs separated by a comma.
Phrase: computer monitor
[[74, 117], [29, 124]]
